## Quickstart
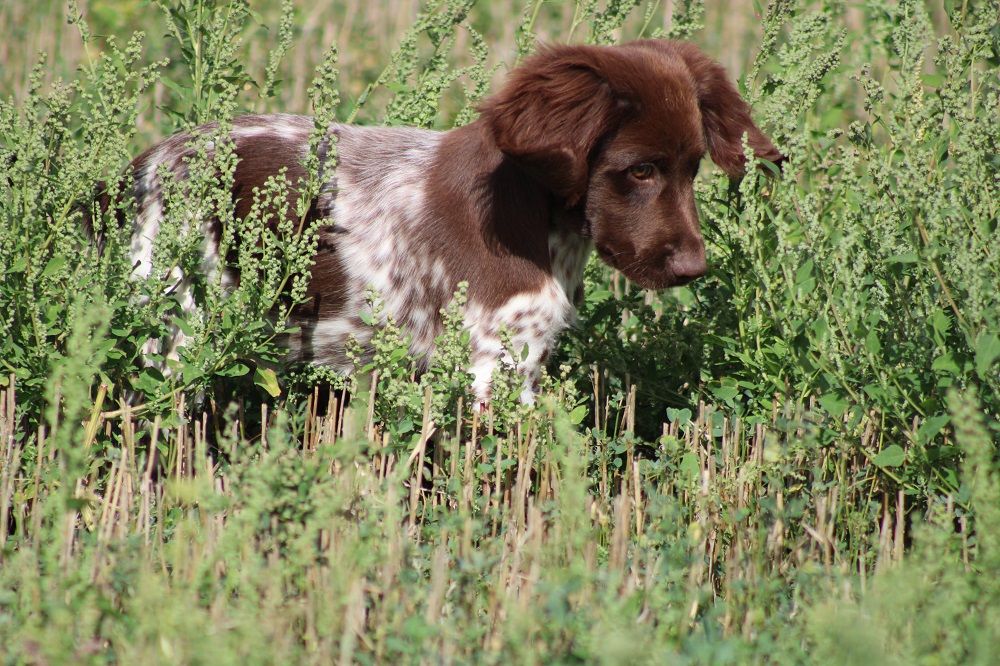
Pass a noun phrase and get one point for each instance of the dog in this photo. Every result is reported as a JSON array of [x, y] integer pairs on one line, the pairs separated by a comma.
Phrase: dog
[[584, 148]]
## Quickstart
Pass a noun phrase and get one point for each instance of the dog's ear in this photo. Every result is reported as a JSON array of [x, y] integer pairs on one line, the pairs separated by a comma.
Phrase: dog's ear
[[551, 114], [725, 115]]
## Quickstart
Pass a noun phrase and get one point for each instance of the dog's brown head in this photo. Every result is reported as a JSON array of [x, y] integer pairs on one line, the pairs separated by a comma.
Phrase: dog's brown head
[[619, 132]]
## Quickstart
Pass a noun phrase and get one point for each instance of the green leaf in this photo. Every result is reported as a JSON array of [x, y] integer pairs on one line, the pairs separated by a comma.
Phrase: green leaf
[[149, 380], [906, 258], [184, 326], [946, 364], [507, 463], [578, 414], [689, 465], [404, 426], [598, 295], [18, 265], [725, 393], [175, 88], [55, 265], [805, 283], [891, 456], [833, 404], [872, 343], [987, 351], [267, 380], [931, 427], [770, 166], [679, 416], [235, 370], [191, 372], [821, 328], [940, 321]]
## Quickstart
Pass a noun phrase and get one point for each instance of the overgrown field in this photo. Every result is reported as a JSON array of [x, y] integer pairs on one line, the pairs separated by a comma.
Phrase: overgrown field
[[792, 460]]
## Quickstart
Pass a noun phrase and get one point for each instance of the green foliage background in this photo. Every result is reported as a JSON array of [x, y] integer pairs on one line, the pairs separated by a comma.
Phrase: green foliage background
[[793, 459]]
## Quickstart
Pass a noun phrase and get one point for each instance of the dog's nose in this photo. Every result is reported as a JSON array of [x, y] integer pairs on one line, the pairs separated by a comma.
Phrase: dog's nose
[[687, 266]]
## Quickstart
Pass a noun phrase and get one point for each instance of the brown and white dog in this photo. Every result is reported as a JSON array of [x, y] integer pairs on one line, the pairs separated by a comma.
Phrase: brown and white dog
[[584, 147]]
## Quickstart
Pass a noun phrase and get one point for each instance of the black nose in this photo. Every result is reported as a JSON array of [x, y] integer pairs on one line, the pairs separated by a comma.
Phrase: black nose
[[687, 266]]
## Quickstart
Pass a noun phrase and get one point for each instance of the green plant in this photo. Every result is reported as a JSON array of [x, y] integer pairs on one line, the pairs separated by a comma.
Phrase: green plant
[[794, 459]]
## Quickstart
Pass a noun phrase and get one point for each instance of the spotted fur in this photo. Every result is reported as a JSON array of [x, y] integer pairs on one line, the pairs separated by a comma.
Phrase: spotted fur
[[584, 147]]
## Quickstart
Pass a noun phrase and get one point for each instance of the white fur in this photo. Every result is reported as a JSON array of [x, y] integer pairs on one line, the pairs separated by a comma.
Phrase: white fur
[[533, 320], [373, 212], [379, 199]]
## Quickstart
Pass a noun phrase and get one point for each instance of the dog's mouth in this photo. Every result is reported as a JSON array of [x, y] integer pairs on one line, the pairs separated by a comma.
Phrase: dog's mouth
[[657, 273]]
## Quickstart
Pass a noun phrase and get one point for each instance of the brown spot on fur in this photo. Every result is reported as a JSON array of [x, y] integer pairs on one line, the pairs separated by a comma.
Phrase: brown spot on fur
[[494, 216], [554, 153]]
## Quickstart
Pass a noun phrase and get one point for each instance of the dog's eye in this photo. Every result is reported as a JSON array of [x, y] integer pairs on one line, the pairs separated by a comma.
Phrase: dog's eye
[[642, 171]]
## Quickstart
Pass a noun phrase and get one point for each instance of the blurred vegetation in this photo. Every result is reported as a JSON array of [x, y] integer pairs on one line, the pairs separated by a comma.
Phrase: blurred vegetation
[[792, 460], [368, 31]]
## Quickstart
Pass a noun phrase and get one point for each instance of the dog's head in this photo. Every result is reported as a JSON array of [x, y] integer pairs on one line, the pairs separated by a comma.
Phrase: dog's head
[[619, 132]]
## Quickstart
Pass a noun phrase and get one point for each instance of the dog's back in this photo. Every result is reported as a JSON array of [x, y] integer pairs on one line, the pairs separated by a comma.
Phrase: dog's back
[[584, 146]]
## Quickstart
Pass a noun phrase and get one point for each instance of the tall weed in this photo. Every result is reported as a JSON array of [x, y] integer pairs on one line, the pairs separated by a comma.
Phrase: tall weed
[[793, 459]]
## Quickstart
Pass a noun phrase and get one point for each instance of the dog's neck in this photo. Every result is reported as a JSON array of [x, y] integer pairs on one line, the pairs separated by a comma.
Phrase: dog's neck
[[569, 252], [515, 214]]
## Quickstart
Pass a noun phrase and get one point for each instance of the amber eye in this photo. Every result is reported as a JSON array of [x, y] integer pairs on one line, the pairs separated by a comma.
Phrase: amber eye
[[642, 171]]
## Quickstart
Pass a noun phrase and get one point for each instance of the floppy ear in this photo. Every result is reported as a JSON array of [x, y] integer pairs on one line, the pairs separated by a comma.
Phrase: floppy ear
[[725, 115], [551, 113]]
